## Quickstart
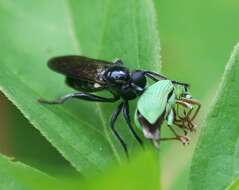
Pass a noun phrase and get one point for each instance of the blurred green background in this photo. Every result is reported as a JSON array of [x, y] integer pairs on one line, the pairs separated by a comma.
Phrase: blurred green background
[[196, 40]]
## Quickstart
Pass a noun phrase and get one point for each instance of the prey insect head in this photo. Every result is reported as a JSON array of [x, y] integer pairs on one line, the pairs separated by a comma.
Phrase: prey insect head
[[186, 94], [182, 91]]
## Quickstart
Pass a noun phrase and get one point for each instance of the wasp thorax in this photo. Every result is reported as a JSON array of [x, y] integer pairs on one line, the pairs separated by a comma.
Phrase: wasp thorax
[[117, 75]]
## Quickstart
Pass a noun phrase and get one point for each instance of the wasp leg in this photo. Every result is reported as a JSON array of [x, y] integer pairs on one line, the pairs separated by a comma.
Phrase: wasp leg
[[118, 61], [128, 121], [168, 138], [112, 125], [79, 95], [156, 77]]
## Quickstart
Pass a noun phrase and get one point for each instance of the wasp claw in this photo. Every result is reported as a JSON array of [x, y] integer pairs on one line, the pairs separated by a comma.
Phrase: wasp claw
[[42, 101], [156, 144], [184, 139]]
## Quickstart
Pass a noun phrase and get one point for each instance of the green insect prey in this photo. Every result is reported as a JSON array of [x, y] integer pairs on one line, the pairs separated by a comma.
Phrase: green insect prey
[[165, 101]]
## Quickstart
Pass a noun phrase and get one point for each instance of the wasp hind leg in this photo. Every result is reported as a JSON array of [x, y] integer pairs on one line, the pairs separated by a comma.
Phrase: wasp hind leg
[[156, 77], [79, 95], [114, 117], [118, 61], [128, 121]]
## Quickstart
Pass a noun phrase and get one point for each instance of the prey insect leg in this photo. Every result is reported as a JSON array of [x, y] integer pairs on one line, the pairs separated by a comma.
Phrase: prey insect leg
[[187, 119], [183, 139], [193, 102]]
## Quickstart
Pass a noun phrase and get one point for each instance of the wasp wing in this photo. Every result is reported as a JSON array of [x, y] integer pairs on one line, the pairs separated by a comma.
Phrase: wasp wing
[[80, 67]]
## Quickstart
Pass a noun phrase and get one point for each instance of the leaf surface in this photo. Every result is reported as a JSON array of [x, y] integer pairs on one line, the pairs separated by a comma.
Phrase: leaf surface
[[33, 32], [16, 176], [216, 158]]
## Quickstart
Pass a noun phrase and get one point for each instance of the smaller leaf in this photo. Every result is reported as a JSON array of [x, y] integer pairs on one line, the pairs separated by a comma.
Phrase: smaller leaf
[[78, 130], [234, 185], [15, 175], [216, 158], [141, 173]]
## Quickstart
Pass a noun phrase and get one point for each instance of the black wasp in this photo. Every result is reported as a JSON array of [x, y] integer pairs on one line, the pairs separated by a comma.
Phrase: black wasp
[[87, 75]]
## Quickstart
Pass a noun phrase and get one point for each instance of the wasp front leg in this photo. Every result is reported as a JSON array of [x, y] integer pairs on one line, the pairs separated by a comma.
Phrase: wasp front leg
[[156, 77]]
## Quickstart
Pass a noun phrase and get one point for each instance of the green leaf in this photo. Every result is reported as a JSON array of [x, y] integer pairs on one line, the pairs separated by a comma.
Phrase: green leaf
[[216, 158], [32, 32], [16, 176], [141, 173], [234, 185]]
